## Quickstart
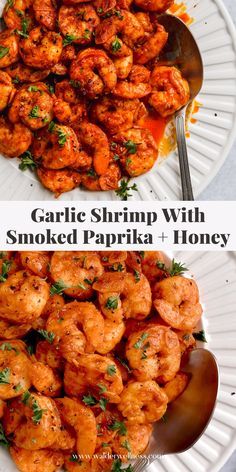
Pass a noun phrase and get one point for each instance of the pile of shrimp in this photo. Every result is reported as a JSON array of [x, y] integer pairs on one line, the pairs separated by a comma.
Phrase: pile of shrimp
[[91, 350], [78, 80]]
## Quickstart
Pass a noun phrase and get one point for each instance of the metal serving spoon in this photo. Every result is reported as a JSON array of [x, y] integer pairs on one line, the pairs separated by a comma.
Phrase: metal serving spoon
[[188, 416], [182, 51]]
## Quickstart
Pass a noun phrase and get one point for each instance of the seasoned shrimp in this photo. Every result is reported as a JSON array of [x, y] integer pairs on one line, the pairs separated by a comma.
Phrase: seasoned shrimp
[[41, 49], [154, 353], [77, 270], [19, 72], [36, 262], [82, 314], [137, 297], [150, 46], [113, 332], [59, 181], [45, 13], [49, 355], [7, 90], [14, 369], [78, 22], [13, 331], [11, 14], [57, 147], [32, 105], [9, 48], [136, 86], [34, 461], [95, 72], [126, 25], [82, 419], [153, 265], [170, 91], [176, 299], [45, 380], [96, 142], [23, 297], [122, 59], [109, 287], [137, 150], [175, 387], [154, 5], [68, 114], [90, 371], [116, 114], [110, 180], [15, 139], [134, 442], [143, 403]]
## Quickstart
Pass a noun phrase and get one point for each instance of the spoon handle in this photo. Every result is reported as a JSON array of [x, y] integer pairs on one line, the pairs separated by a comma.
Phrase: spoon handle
[[187, 190]]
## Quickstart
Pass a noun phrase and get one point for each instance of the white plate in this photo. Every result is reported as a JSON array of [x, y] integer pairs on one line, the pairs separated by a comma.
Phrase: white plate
[[211, 137], [216, 277]]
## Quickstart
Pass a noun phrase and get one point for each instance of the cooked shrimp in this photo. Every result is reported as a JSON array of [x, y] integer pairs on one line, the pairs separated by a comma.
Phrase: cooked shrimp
[[153, 265], [122, 59], [39, 423], [186, 341], [41, 49], [45, 380], [134, 442], [90, 371], [110, 180], [66, 92], [36, 262], [9, 48], [137, 297], [34, 461], [68, 114], [7, 90], [45, 13], [136, 86], [96, 142], [104, 421], [154, 5], [77, 270], [175, 387], [154, 353], [143, 403], [64, 324], [13, 331], [19, 72], [57, 147], [32, 105], [113, 332], [49, 355], [78, 22], [90, 181], [14, 369], [2, 408], [170, 91], [126, 25], [150, 46], [109, 287], [23, 297], [59, 181], [15, 139], [137, 150], [82, 419], [177, 301], [11, 15], [95, 71], [116, 114], [75, 465]]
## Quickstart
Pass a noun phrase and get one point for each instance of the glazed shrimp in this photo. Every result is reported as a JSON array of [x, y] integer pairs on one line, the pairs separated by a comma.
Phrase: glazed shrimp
[[19, 72], [23, 297], [68, 114], [170, 91], [150, 46], [63, 324], [154, 5], [153, 265], [137, 297], [82, 419], [7, 90], [14, 369], [9, 48], [49, 355], [45, 380], [11, 14], [110, 180], [57, 147], [116, 114], [176, 299], [143, 403], [41, 49], [15, 139], [95, 72], [35, 461], [45, 13], [175, 387], [59, 181], [36, 262], [90, 371], [96, 142], [136, 86], [77, 270], [126, 25], [13, 331], [113, 332], [137, 150], [109, 287], [154, 353], [134, 442], [78, 22], [32, 105]]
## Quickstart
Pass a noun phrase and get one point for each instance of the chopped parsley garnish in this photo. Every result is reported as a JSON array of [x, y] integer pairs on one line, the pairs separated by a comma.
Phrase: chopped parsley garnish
[[37, 412], [126, 445], [24, 25], [115, 45], [116, 268], [117, 467], [116, 157], [131, 146], [177, 268], [5, 376], [58, 288], [16, 80], [124, 363], [160, 265], [27, 161], [68, 39], [89, 282], [137, 276], [139, 343], [62, 136], [91, 173], [105, 444], [75, 83], [102, 388], [87, 34], [3, 440], [17, 387], [25, 397], [89, 400], [103, 403], [111, 370], [124, 189], [9, 4], [3, 51], [51, 126], [34, 112], [112, 303], [118, 426], [144, 351], [50, 88], [82, 286], [6, 347], [200, 336], [5, 269], [49, 336], [33, 88]]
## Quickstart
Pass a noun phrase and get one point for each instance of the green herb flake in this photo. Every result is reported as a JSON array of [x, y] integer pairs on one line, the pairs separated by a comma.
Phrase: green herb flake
[[62, 137], [137, 276], [104, 444], [27, 161], [16, 80], [37, 412], [33, 88], [51, 126], [75, 83], [200, 336], [117, 467], [139, 343], [89, 282], [89, 400], [124, 363], [58, 288], [126, 445], [3, 51], [5, 376], [160, 265], [3, 440], [111, 370], [112, 303], [24, 25], [103, 403], [118, 426], [82, 286], [17, 387], [49, 336], [124, 189], [6, 265], [177, 268], [131, 146], [68, 39], [102, 388], [25, 397], [6, 347], [34, 112], [116, 45], [9, 4]]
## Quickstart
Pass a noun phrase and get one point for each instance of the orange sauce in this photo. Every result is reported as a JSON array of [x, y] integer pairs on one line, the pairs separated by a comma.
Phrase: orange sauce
[[196, 108], [180, 10], [156, 125]]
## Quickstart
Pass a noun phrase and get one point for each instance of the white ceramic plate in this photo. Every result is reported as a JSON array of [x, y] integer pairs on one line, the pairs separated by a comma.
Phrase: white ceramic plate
[[216, 277], [211, 137]]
